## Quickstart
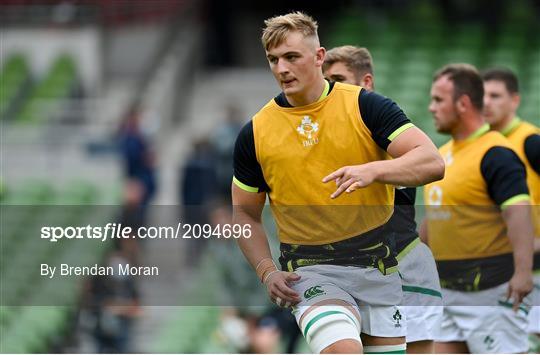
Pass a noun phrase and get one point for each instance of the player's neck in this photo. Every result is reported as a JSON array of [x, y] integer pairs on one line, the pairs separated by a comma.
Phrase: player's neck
[[467, 127], [504, 123], [311, 95]]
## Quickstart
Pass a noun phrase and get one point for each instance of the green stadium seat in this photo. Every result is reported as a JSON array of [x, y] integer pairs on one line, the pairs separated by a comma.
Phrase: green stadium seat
[[16, 79], [46, 97]]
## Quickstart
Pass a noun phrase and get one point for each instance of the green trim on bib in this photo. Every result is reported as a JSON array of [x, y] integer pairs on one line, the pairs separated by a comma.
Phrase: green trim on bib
[[400, 130], [407, 249], [511, 126], [244, 186]]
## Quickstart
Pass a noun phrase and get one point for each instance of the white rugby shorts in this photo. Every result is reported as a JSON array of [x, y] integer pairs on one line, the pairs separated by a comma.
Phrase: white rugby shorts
[[376, 297], [422, 298]]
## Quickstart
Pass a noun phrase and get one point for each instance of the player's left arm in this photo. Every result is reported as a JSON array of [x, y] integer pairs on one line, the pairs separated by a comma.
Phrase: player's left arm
[[416, 159]]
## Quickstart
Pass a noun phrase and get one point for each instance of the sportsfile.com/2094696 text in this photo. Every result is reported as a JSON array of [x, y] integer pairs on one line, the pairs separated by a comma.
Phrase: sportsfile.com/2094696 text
[[118, 231]]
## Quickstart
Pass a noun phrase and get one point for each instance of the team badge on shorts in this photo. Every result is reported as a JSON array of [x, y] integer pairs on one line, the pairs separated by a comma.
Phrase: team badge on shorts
[[488, 341], [313, 292], [397, 318]]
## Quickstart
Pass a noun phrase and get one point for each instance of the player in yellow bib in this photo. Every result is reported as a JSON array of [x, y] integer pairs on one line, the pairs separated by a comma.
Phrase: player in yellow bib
[[321, 153], [478, 224], [501, 101], [421, 289]]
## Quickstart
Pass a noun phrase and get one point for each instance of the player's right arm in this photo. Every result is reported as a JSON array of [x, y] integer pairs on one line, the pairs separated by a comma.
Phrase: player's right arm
[[247, 210], [505, 178], [248, 197]]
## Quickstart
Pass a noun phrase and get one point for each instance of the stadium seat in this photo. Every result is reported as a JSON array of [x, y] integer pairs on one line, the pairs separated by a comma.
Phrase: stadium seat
[[15, 83], [46, 97]]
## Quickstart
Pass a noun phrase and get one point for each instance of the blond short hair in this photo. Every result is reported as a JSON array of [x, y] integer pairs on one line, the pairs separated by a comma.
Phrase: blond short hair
[[278, 27], [357, 59]]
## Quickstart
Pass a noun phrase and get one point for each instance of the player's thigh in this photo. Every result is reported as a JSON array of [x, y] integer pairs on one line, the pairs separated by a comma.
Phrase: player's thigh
[[499, 330], [534, 320], [369, 340], [383, 345], [369, 286], [345, 346], [451, 347], [326, 315], [489, 324], [330, 326], [378, 297], [383, 321], [423, 322], [419, 277], [421, 347], [448, 330], [383, 329], [422, 297], [318, 290], [534, 314]]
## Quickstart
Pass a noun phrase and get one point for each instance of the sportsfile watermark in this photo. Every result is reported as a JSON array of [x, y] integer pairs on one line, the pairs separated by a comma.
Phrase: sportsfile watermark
[[120, 231], [189, 256]]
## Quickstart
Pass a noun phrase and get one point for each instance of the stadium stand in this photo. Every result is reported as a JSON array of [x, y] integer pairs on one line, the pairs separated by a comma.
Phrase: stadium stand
[[28, 321], [407, 54]]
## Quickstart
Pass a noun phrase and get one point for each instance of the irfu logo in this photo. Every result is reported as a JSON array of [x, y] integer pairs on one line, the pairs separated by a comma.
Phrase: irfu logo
[[308, 129], [397, 318], [313, 292]]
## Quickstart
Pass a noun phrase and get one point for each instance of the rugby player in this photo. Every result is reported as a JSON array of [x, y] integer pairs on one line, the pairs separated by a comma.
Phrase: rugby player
[[422, 292], [478, 224], [501, 101], [308, 149]]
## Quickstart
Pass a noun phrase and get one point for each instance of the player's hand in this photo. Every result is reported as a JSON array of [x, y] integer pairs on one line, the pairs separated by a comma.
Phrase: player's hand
[[350, 178], [279, 290], [520, 285]]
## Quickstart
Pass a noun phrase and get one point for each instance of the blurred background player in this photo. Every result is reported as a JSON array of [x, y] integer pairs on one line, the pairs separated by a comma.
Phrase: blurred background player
[[478, 224], [139, 160], [501, 101], [223, 145], [284, 152], [422, 292]]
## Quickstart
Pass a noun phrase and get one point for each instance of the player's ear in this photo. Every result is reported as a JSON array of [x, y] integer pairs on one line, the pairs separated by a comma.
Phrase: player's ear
[[320, 53], [367, 82], [463, 103], [516, 100]]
